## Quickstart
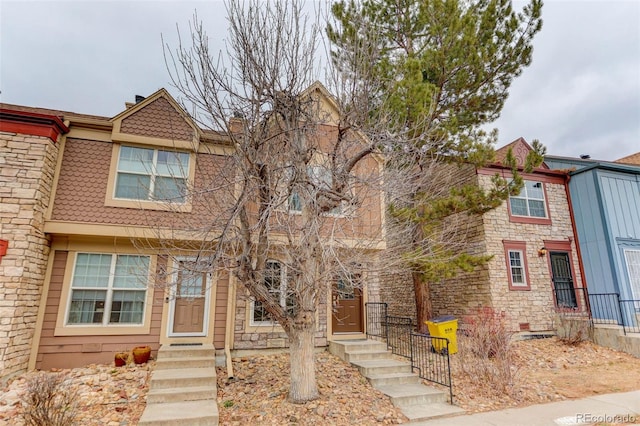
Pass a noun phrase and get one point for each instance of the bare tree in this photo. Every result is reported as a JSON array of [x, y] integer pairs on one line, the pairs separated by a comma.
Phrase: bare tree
[[299, 177]]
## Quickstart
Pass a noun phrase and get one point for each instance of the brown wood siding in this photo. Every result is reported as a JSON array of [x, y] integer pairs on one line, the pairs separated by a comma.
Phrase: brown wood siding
[[77, 351], [89, 161], [158, 120], [220, 320]]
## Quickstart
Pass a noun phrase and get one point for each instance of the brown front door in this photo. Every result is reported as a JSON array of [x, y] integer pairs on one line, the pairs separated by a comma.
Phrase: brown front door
[[347, 308], [189, 303]]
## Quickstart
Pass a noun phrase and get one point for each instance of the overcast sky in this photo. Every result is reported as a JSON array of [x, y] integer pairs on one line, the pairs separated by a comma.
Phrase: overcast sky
[[581, 95]]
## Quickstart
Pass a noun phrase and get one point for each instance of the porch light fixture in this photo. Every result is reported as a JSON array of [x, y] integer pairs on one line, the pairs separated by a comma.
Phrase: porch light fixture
[[542, 251]]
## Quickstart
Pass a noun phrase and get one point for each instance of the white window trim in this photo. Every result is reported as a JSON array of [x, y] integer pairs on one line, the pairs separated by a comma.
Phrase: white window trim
[[161, 205], [283, 298], [522, 267], [633, 280], [62, 329], [526, 198], [152, 173]]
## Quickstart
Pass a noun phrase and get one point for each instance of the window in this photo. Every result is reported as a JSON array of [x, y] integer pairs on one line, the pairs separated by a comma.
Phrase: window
[[275, 278], [530, 201], [151, 175], [108, 289], [321, 177], [516, 262], [632, 259]]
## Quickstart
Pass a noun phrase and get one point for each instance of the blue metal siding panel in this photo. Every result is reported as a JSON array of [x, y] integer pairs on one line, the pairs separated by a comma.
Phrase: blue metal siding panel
[[621, 198], [591, 233]]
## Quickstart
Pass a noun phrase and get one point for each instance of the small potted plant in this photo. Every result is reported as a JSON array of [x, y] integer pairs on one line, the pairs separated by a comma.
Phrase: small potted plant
[[141, 354], [121, 358]]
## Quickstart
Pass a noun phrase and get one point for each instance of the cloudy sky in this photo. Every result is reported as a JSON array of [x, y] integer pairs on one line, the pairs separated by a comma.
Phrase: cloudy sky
[[581, 95]]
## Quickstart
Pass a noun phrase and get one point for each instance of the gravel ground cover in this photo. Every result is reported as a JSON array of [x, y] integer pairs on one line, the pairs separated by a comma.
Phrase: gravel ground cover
[[546, 370]]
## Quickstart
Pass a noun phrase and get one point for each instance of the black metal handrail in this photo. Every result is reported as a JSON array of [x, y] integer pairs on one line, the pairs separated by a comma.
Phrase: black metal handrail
[[429, 355], [609, 308], [376, 318]]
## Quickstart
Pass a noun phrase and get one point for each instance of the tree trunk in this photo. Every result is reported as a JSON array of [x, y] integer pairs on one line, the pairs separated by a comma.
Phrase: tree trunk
[[303, 374], [424, 309]]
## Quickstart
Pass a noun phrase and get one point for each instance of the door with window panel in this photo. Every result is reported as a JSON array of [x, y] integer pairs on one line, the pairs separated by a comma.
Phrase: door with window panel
[[347, 306], [563, 280], [189, 303]]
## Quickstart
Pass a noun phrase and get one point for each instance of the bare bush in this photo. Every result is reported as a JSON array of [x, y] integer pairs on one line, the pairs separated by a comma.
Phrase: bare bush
[[572, 329], [485, 349], [49, 401]]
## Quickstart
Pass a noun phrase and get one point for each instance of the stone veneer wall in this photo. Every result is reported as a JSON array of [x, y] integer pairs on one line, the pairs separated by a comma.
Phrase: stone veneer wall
[[466, 291], [27, 165], [271, 339], [535, 306], [268, 337], [453, 296]]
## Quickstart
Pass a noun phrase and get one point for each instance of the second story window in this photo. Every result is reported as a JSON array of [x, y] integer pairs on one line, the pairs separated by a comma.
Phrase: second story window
[[151, 175], [530, 201]]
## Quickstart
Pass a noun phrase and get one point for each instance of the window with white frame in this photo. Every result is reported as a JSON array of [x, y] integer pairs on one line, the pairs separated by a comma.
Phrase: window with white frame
[[108, 289], [275, 279], [516, 268], [632, 259], [321, 177], [530, 201], [151, 174]]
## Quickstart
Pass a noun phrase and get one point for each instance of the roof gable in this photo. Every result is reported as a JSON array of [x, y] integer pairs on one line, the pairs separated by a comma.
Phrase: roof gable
[[520, 149], [156, 120], [630, 159]]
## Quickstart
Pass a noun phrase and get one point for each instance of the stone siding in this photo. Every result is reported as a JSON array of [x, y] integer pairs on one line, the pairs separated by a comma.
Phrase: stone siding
[[535, 306], [27, 165], [488, 286]]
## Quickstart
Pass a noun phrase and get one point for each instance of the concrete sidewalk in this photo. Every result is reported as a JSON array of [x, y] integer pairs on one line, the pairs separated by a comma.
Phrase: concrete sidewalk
[[615, 408]]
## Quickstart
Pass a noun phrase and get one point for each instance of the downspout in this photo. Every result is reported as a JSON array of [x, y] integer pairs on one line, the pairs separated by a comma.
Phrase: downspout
[[229, 326]]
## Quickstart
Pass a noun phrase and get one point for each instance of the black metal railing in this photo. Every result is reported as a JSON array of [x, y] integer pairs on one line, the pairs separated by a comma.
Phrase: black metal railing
[[630, 310], [605, 308], [572, 301], [376, 319], [429, 355], [609, 308], [399, 335]]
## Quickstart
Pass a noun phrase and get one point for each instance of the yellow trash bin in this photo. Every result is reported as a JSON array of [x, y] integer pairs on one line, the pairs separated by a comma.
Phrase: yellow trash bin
[[444, 326]]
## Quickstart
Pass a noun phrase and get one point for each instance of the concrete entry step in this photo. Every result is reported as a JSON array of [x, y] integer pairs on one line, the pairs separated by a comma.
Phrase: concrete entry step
[[186, 351], [183, 377], [192, 393], [190, 413], [382, 366], [394, 377], [183, 388], [413, 394], [186, 362], [378, 380], [417, 413]]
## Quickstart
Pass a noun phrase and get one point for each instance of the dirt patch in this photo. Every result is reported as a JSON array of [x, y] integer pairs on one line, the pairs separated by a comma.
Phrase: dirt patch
[[258, 395], [548, 370]]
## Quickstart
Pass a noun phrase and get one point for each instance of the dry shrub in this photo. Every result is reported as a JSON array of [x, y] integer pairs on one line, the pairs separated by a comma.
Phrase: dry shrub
[[572, 329], [49, 401], [485, 350]]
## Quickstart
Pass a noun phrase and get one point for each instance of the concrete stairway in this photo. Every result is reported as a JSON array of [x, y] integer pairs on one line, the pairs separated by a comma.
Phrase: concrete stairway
[[182, 389], [395, 379]]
